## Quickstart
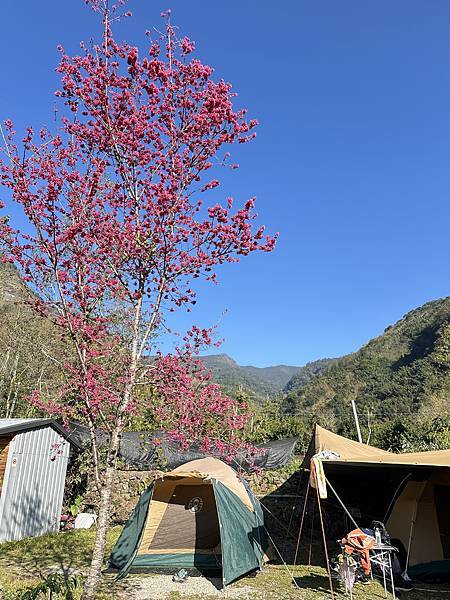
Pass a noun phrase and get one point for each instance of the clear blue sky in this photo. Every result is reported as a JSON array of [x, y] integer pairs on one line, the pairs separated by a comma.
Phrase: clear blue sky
[[351, 163]]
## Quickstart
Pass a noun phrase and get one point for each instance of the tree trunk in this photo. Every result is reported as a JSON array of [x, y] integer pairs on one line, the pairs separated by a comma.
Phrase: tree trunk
[[98, 552]]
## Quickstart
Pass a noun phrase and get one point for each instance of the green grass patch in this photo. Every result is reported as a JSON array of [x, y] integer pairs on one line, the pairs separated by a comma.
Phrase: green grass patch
[[25, 563]]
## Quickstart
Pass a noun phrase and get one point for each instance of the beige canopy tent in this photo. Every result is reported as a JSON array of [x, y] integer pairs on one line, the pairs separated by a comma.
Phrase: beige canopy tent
[[409, 492]]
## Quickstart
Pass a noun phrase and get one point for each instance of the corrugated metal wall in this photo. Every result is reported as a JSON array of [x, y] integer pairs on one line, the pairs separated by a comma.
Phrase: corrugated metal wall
[[33, 486]]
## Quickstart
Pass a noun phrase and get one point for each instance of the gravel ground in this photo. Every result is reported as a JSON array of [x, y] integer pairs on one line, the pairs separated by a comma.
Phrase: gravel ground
[[162, 586]]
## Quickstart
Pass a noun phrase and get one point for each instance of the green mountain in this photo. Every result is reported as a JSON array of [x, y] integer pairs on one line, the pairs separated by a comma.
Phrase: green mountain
[[309, 372], [254, 381], [259, 382], [405, 371]]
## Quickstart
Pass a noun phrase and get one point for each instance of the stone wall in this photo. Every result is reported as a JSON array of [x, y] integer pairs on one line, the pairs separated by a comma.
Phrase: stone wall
[[127, 487], [276, 487]]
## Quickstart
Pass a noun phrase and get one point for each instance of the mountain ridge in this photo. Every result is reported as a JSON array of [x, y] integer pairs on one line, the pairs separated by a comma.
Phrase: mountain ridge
[[258, 382], [403, 371]]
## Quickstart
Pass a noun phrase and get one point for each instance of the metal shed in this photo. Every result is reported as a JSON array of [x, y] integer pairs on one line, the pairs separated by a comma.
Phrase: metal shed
[[34, 454]]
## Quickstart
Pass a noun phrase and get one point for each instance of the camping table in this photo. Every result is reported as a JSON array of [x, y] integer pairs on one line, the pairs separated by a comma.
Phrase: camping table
[[381, 556]]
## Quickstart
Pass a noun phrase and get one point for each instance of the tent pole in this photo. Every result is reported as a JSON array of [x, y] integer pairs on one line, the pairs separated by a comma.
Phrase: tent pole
[[299, 485], [323, 535], [409, 542], [394, 497], [311, 535], [342, 504], [413, 523], [301, 522]]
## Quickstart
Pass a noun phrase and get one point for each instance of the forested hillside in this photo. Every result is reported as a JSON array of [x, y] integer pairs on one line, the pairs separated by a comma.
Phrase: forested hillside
[[309, 372], [402, 373], [259, 383], [30, 349]]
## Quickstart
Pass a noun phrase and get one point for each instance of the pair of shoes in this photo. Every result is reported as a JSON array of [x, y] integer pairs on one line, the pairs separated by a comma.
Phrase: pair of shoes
[[362, 578]]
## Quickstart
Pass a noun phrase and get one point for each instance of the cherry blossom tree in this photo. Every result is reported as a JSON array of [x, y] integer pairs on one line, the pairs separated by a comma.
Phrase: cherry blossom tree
[[117, 225]]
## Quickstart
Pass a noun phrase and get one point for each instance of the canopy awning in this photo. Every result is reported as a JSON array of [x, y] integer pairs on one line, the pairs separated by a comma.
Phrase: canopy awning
[[349, 451]]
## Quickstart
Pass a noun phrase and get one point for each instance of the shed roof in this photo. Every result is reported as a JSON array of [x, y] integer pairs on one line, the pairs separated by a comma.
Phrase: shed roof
[[19, 425]]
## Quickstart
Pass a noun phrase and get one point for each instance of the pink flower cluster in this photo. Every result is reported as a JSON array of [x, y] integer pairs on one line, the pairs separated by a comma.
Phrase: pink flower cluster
[[194, 411]]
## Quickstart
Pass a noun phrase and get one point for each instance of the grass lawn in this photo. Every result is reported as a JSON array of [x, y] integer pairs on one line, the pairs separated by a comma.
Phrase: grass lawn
[[26, 562]]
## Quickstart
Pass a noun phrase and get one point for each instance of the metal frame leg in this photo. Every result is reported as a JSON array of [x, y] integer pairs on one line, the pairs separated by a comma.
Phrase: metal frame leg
[[384, 574], [392, 576]]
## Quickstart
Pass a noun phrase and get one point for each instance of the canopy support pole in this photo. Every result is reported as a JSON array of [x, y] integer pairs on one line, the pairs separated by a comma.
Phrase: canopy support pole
[[342, 504], [323, 534], [413, 524], [311, 535]]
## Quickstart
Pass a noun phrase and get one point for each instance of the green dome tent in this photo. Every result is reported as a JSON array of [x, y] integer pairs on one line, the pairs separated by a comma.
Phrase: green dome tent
[[200, 515]]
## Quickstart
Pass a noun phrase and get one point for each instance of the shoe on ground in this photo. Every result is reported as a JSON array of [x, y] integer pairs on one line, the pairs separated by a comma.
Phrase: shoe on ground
[[363, 579]]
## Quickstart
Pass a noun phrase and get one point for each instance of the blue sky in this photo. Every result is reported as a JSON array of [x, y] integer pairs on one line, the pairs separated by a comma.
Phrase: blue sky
[[351, 163]]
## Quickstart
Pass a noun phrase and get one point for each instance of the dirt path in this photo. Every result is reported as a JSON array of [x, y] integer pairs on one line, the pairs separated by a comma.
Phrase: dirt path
[[162, 587]]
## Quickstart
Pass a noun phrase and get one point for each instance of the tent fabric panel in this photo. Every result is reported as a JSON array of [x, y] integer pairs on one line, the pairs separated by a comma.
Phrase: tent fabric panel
[[260, 536], [420, 459], [369, 491], [426, 544], [128, 542], [182, 529], [213, 468], [216, 551], [323, 439], [238, 529], [440, 476], [179, 560], [404, 513], [350, 451], [415, 512], [437, 571], [435, 458]]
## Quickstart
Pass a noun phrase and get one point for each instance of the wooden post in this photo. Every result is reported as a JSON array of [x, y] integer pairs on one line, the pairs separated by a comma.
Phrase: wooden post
[[355, 414]]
